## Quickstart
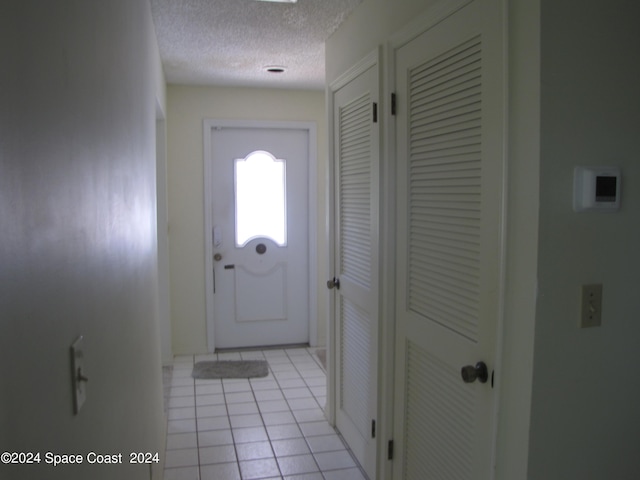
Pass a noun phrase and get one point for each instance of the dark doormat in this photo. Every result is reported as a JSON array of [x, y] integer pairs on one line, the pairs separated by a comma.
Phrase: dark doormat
[[230, 369]]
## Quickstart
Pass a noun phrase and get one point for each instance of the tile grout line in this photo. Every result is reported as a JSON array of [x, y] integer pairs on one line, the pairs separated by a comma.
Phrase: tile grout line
[[317, 360], [275, 457], [195, 410], [233, 435], [295, 418], [166, 450], [305, 383], [344, 443]]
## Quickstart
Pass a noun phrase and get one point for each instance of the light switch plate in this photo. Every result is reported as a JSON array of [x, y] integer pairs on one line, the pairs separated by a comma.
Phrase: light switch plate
[[591, 310], [78, 378]]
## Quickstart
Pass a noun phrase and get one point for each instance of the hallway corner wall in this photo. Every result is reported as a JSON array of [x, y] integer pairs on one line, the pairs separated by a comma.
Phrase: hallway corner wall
[[78, 249]]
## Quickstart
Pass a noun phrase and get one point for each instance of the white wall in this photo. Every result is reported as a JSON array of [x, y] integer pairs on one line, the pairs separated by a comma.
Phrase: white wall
[[523, 167], [78, 243], [585, 420], [369, 25], [187, 108]]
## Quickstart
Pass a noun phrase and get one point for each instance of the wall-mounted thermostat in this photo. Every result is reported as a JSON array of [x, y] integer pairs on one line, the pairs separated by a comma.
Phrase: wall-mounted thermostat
[[596, 189]]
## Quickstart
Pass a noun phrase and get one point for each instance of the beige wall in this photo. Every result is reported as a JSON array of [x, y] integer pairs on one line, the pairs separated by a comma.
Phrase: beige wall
[[585, 420], [78, 243], [187, 108]]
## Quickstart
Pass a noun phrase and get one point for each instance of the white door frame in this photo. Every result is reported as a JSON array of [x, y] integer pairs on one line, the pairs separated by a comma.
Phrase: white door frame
[[208, 125]]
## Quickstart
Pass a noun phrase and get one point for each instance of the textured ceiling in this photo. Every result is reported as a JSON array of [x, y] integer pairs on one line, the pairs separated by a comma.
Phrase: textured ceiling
[[230, 42]]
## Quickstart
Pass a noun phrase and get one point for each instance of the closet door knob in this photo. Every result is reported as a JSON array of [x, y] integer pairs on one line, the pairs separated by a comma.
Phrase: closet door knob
[[472, 373]]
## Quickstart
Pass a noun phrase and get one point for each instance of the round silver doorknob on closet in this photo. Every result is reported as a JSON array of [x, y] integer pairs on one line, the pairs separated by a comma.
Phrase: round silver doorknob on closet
[[471, 373], [217, 257]]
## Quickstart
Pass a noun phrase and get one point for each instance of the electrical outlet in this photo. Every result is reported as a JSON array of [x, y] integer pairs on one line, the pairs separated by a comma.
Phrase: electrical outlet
[[591, 311], [78, 377]]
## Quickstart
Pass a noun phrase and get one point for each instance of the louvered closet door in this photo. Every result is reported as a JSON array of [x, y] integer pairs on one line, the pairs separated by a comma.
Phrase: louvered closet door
[[356, 256], [450, 168]]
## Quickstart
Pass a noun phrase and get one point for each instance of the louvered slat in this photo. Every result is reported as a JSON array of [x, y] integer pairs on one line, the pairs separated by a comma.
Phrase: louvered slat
[[355, 190], [439, 422], [445, 177], [355, 354]]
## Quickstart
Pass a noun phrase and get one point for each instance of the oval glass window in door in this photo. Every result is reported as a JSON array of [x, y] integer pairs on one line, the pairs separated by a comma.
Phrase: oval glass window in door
[[260, 198]]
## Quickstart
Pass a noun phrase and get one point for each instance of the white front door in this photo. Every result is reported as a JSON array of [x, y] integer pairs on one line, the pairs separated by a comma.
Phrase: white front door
[[449, 148], [259, 236], [356, 285]]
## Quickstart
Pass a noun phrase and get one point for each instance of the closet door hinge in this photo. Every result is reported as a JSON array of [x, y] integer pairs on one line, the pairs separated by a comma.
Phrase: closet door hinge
[[375, 112], [393, 104], [390, 450], [373, 429]]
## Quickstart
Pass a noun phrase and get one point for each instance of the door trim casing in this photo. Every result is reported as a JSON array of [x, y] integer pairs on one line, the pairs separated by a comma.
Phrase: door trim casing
[[210, 124]]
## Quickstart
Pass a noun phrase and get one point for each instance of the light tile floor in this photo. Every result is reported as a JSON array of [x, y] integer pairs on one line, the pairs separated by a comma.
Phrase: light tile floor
[[265, 428]]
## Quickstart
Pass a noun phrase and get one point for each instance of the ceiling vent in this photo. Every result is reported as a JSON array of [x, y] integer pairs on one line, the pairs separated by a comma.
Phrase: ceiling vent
[[275, 68]]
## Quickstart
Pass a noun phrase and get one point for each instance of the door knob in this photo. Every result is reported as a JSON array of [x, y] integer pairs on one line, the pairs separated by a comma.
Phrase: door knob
[[334, 282], [217, 257], [472, 373]]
